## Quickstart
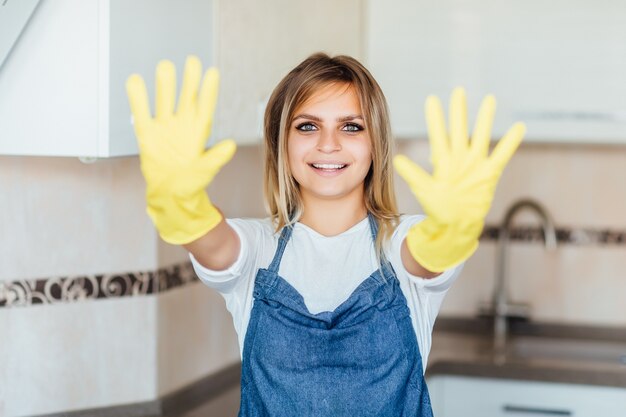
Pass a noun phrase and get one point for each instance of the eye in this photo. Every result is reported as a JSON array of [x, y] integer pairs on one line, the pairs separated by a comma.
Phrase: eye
[[306, 127], [352, 127]]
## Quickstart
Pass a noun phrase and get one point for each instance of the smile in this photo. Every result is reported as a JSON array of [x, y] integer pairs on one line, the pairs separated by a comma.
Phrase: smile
[[329, 166], [328, 169]]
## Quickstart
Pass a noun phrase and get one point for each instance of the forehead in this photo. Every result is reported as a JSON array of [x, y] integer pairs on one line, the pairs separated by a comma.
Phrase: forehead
[[336, 96]]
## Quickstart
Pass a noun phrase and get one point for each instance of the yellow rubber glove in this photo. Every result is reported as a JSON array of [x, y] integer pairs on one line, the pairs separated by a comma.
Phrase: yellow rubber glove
[[457, 197], [174, 162]]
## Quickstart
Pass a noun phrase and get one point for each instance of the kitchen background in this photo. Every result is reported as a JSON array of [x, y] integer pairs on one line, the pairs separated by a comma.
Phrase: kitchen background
[[68, 226]]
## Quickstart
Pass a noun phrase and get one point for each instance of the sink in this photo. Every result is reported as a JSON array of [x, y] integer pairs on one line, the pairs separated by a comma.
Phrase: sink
[[567, 349]]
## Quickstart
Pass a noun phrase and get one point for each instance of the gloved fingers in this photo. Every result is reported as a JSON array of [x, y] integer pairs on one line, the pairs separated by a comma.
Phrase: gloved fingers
[[138, 101], [165, 88], [191, 82], [458, 124], [218, 155], [507, 146], [437, 136], [481, 135], [413, 174], [208, 97]]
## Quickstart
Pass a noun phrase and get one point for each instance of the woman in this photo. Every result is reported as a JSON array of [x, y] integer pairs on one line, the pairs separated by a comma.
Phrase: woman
[[334, 295]]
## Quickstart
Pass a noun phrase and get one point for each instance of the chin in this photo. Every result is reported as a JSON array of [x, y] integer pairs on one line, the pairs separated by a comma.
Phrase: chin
[[326, 194]]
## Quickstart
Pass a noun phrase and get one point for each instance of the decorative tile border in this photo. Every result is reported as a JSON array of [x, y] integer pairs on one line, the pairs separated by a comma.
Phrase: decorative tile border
[[83, 287], [69, 289], [564, 235]]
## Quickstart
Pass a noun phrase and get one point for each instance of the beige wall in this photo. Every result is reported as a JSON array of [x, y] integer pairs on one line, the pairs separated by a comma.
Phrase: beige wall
[[62, 217], [77, 355]]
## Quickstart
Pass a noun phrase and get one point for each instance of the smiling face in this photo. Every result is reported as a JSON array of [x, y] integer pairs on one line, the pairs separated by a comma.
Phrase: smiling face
[[328, 145]]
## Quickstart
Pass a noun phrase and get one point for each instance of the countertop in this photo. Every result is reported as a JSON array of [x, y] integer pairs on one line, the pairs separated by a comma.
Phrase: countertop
[[535, 351]]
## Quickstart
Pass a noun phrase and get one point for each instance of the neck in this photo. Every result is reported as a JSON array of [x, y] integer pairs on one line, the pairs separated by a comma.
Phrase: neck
[[332, 217]]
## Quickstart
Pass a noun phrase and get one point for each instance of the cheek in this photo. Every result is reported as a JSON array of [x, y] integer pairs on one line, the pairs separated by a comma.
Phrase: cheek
[[294, 147], [291, 152], [295, 158], [367, 160], [363, 153]]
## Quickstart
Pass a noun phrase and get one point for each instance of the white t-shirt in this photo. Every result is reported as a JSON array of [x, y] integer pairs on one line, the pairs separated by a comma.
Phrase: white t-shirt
[[324, 270]]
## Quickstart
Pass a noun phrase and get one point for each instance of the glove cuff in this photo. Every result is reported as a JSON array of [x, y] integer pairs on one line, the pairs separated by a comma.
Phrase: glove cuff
[[182, 221], [440, 247]]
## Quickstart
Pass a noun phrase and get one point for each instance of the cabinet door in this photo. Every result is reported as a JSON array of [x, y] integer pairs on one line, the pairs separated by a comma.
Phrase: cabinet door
[[62, 89], [465, 396], [49, 83], [558, 66]]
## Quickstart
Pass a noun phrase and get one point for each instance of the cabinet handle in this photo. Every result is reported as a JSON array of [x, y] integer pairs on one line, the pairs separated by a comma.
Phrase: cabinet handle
[[535, 410]]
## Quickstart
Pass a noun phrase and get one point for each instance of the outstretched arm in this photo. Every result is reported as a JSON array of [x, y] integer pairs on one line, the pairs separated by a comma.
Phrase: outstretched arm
[[457, 197], [175, 164]]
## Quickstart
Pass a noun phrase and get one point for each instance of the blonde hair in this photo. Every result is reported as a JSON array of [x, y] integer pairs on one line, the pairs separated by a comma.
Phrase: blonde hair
[[282, 194]]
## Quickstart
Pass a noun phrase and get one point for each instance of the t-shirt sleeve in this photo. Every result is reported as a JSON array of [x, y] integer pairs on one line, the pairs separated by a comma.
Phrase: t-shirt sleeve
[[438, 284], [248, 231]]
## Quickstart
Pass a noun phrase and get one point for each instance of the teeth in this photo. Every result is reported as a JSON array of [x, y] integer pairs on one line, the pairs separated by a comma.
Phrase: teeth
[[328, 166]]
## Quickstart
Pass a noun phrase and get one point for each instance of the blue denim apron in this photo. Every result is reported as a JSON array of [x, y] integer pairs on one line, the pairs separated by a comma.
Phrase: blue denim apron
[[360, 360]]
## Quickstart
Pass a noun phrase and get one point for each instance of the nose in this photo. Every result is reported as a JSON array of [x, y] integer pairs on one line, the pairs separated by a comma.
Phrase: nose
[[328, 142]]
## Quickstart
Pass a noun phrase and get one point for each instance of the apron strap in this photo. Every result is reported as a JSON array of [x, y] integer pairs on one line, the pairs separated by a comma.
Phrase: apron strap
[[374, 228], [285, 235]]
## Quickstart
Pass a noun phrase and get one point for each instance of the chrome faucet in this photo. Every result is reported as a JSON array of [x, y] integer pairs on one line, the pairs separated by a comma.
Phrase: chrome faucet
[[501, 307]]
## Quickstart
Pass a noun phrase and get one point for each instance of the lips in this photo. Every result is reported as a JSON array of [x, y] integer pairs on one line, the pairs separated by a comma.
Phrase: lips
[[328, 166]]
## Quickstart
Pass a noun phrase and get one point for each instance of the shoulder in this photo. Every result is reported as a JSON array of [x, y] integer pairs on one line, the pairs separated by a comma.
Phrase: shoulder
[[404, 224], [253, 227], [256, 242], [257, 236]]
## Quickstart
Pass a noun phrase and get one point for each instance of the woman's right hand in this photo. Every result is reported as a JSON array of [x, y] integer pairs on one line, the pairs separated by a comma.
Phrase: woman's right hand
[[174, 162]]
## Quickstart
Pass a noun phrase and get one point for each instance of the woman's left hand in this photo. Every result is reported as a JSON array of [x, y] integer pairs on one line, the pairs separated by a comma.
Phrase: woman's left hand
[[457, 197]]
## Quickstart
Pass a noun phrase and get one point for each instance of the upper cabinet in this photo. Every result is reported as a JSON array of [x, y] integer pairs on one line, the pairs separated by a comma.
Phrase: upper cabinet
[[62, 87], [559, 66]]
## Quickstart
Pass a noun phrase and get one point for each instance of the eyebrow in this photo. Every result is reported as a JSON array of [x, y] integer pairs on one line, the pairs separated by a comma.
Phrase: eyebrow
[[317, 119]]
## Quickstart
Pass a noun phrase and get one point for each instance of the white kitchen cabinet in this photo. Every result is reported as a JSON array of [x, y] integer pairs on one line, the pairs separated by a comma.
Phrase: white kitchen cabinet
[[559, 66], [454, 396], [62, 87]]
